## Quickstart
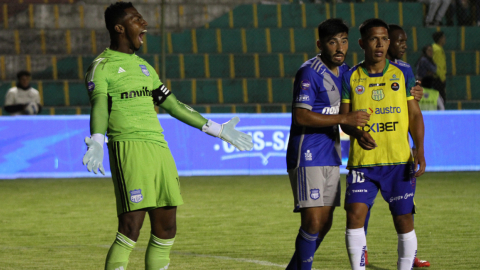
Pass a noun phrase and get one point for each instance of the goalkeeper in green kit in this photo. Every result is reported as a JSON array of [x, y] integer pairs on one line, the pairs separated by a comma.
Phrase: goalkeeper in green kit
[[123, 89]]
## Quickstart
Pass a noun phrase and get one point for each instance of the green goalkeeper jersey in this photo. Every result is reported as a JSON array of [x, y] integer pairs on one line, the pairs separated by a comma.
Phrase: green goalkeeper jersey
[[128, 81]]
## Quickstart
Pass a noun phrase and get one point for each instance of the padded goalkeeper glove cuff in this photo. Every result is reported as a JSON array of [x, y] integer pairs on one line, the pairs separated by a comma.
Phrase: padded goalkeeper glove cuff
[[100, 138], [212, 128]]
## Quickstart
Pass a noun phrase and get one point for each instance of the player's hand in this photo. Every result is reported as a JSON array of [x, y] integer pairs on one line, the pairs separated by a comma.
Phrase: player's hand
[[419, 159], [366, 141], [417, 91], [358, 118], [234, 137], [94, 156]]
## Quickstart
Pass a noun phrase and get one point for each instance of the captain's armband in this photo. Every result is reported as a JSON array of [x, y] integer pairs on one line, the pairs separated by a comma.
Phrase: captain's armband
[[160, 94]]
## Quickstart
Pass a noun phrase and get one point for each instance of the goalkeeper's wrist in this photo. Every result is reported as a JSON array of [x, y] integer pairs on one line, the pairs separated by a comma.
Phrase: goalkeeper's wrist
[[212, 128], [100, 138]]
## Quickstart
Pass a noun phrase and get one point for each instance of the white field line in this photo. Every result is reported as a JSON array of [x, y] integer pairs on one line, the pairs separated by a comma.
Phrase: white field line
[[231, 259], [222, 258]]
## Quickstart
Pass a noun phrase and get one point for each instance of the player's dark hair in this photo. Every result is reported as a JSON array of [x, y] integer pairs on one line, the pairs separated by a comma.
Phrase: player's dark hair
[[115, 13], [437, 36], [23, 73], [370, 23], [331, 27], [394, 27]]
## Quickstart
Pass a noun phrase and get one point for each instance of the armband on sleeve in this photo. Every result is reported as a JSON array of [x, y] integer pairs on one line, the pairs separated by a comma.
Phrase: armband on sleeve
[[160, 94]]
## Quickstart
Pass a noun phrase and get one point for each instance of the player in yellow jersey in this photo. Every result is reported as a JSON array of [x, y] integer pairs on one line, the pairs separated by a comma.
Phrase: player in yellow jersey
[[380, 156], [396, 50]]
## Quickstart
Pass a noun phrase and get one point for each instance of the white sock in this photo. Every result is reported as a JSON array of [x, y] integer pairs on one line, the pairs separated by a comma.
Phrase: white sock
[[356, 244], [407, 250]]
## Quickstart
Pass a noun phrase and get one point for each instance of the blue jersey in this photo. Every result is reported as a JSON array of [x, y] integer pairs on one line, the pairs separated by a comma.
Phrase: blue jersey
[[316, 89]]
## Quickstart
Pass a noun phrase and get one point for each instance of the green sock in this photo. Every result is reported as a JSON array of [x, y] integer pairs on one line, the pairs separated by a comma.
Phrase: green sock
[[117, 258], [158, 253]]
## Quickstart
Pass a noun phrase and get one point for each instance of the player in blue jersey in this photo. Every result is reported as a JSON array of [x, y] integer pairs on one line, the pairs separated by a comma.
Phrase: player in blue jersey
[[396, 51], [314, 155]]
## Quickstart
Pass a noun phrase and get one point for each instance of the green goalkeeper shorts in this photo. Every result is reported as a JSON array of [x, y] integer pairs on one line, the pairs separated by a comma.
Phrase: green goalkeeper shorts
[[144, 176]]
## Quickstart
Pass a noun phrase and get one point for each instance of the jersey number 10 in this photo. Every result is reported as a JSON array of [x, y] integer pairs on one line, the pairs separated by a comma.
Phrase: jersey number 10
[[358, 177]]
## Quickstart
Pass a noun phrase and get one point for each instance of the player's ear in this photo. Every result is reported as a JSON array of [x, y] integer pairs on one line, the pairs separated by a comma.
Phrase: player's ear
[[360, 42], [119, 28], [319, 44]]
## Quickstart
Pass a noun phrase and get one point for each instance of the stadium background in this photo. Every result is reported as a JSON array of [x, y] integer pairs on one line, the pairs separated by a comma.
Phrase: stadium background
[[219, 56]]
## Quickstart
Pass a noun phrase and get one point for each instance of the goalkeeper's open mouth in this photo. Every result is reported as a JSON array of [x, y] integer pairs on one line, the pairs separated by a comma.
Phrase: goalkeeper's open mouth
[[140, 36]]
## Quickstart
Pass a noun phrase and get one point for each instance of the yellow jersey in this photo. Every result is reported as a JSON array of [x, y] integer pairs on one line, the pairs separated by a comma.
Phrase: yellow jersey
[[384, 96]]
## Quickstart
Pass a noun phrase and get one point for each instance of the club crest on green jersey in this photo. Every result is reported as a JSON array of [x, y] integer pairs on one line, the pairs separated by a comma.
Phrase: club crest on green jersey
[[145, 70], [378, 95], [136, 195]]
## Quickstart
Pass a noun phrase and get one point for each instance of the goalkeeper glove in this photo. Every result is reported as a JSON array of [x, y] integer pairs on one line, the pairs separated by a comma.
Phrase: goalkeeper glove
[[228, 133], [94, 156]]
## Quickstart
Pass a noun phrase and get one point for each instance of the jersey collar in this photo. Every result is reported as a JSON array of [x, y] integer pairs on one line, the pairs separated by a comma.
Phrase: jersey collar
[[120, 54], [376, 74], [331, 72]]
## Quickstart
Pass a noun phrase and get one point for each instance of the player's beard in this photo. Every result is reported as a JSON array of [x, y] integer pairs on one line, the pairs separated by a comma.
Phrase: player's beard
[[331, 60]]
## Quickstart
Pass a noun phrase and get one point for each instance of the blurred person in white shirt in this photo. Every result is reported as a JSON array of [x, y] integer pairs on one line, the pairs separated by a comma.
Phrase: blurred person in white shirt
[[23, 99]]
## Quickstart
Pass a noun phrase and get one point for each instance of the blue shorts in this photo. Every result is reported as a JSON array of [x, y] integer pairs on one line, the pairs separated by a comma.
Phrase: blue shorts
[[396, 182]]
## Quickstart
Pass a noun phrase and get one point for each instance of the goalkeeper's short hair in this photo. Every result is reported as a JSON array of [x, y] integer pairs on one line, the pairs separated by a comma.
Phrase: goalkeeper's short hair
[[115, 13]]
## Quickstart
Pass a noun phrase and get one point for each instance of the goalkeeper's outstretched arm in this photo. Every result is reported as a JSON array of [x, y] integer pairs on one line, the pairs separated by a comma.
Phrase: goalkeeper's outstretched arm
[[165, 99], [98, 127]]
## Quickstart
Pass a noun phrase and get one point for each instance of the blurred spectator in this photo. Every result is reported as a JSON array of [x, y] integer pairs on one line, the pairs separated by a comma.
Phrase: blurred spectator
[[436, 11], [466, 11], [431, 100], [441, 63], [425, 64], [477, 12], [22, 99]]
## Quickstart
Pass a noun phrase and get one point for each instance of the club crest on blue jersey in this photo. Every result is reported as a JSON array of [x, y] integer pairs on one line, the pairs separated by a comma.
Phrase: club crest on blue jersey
[[145, 70], [315, 193], [91, 86], [136, 195], [305, 84]]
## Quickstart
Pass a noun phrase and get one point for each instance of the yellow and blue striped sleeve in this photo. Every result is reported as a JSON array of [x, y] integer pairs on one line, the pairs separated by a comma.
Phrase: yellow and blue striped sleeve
[[409, 78], [346, 88]]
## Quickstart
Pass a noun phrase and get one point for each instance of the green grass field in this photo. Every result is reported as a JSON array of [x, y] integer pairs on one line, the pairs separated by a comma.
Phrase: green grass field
[[227, 223]]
